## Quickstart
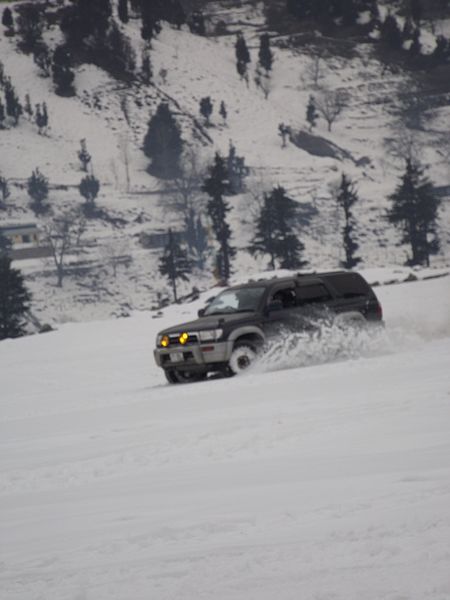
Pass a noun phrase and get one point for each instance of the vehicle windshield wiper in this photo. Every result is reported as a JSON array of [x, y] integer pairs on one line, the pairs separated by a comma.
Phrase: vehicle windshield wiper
[[229, 312]]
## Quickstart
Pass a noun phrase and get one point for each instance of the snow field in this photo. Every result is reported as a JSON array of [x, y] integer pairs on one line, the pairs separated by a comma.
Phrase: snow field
[[325, 482]]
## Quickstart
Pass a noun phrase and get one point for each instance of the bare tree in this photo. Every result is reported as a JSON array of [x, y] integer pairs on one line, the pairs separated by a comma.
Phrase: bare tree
[[124, 148], [314, 71], [116, 252], [331, 104], [63, 234]]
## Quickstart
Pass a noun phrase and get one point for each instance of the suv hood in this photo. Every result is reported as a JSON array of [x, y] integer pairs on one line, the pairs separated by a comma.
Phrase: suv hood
[[211, 322]]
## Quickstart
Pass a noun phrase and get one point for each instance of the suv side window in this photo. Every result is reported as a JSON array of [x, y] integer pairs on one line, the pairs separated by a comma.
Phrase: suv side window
[[284, 296], [310, 294], [349, 285]]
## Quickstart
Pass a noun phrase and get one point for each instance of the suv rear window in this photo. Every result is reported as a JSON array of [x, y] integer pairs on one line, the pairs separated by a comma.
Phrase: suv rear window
[[309, 294], [349, 285]]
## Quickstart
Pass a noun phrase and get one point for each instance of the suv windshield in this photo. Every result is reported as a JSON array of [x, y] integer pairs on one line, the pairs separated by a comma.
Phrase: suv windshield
[[237, 300]]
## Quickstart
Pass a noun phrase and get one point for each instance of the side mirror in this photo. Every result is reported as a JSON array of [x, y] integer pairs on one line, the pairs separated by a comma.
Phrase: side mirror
[[201, 312]]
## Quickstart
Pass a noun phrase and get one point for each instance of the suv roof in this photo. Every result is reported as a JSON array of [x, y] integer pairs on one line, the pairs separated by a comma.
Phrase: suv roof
[[304, 277]]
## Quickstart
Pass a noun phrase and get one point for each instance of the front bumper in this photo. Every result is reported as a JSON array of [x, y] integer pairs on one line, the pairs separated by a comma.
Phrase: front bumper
[[194, 356]]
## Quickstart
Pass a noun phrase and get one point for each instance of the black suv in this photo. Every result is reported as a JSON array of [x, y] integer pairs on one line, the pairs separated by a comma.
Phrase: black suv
[[236, 324]]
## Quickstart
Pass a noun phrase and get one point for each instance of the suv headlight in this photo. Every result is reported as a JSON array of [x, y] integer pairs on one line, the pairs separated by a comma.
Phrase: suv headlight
[[162, 340], [210, 335]]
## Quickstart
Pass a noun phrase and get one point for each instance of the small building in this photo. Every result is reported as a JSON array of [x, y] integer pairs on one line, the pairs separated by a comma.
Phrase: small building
[[160, 239], [26, 240]]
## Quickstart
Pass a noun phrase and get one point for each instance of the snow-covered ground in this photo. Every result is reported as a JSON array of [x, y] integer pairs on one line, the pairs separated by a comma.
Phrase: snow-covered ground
[[113, 118], [327, 482]]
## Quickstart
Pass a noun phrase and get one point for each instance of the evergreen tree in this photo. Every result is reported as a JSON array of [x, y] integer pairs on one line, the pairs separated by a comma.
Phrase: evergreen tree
[[216, 185], [40, 119], [206, 108], [123, 11], [13, 106], [274, 235], [265, 53], [14, 300], [174, 264], [311, 113], [7, 19], [414, 211], [242, 55], [223, 111], [37, 186], [197, 23], [84, 156], [415, 9], [5, 245], [27, 106], [441, 53], [4, 191], [30, 26], [84, 19], [236, 170], [390, 33], [147, 71], [346, 198], [43, 59], [416, 47], [2, 114], [63, 75], [163, 144], [89, 188]]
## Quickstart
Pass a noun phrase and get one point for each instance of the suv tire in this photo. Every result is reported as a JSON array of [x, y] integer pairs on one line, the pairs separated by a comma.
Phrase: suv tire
[[242, 357], [174, 376]]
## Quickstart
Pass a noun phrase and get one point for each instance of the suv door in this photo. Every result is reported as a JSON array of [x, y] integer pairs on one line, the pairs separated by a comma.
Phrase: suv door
[[315, 300], [281, 313]]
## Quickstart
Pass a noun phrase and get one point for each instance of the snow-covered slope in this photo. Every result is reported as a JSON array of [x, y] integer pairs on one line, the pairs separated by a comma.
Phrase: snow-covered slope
[[113, 119], [328, 481]]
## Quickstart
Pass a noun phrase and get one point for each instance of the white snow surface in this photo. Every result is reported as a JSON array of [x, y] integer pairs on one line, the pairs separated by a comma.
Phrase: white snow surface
[[327, 482]]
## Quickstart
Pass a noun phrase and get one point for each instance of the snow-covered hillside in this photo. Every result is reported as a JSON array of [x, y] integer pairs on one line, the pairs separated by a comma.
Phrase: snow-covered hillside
[[113, 118], [328, 481]]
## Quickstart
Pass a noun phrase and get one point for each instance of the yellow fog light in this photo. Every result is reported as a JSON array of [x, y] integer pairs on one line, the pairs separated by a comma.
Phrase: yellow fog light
[[183, 338], [165, 341]]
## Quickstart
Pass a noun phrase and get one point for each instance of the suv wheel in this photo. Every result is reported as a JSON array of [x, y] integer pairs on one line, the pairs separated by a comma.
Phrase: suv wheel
[[174, 376], [241, 358]]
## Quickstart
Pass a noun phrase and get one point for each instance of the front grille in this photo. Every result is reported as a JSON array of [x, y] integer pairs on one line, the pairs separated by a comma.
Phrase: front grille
[[173, 340]]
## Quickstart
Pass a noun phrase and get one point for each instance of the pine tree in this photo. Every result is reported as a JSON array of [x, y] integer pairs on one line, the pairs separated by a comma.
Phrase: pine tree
[[414, 212], [2, 114], [311, 113], [7, 19], [265, 53], [89, 188], [5, 245], [13, 106], [163, 144], [63, 75], [274, 235], [14, 300], [30, 26], [27, 106], [416, 10], [242, 55], [123, 10], [416, 47], [37, 186], [146, 69], [4, 191], [223, 111], [206, 109], [216, 185], [237, 171], [43, 59], [174, 264], [84, 156], [346, 198], [390, 33]]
